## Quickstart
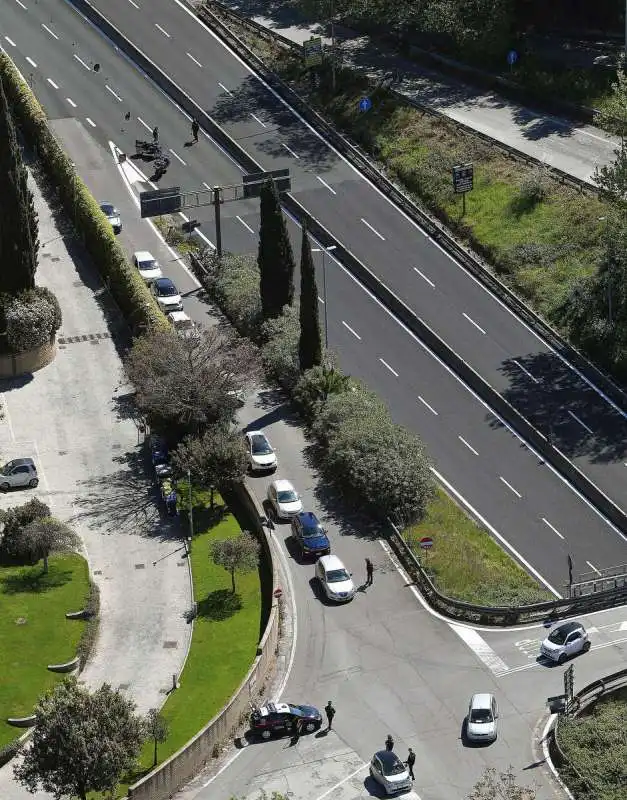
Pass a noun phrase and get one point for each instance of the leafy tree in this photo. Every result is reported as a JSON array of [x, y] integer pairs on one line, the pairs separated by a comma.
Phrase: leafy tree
[[239, 553], [215, 459], [82, 742], [309, 343], [19, 244], [14, 520], [495, 785], [157, 728], [612, 178], [315, 386], [275, 257], [44, 536], [279, 349], [185, 385], [234, 280]]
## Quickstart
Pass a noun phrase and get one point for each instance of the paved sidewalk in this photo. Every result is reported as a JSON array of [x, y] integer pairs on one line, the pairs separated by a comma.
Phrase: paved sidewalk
[[576, 149], [72, 418]]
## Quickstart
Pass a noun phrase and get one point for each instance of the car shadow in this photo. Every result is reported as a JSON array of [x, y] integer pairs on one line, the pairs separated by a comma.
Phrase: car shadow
[[375, 789]]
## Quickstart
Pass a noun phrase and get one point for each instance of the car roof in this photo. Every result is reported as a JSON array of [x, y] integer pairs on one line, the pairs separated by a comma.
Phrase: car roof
[[282, 484], [568, 627], [20, 462], [165, 282], [331, 562], [387, 757], [256, 433], [308, 519], [144, 255], [178, 316], [481, 700], [106, 204]]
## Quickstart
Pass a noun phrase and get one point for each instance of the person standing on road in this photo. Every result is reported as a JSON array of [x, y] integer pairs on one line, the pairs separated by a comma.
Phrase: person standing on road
[[195, 129], [155, 134], [330, 712], [369, 572], [389, 743], [411, 760]]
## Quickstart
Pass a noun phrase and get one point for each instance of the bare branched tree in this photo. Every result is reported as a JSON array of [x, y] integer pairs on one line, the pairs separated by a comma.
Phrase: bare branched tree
[[44, 536]]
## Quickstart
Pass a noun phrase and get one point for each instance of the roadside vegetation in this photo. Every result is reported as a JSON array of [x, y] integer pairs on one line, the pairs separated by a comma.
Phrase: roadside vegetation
[[554, 246], [33, 628], [226, 633], [595, 745]]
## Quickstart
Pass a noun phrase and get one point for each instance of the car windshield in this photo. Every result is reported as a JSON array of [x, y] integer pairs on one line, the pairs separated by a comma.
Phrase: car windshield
[[337, 575], [558, 636], [260, 446], [7, 468], [481, 715], [393, 768], [287, 496], [149, 263], [299, 711], [313, 532], [110, 211], [166, 289]]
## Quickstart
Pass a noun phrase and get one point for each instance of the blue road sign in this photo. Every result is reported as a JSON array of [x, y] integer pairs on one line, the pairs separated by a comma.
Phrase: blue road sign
[[512, 57], [365, 104]]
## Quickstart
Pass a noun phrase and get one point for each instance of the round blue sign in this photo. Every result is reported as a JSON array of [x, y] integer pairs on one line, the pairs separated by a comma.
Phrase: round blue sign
[[365, 104], [512, 57]]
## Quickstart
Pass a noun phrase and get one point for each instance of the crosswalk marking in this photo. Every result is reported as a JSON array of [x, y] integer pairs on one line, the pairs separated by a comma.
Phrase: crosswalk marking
[[481, 649]]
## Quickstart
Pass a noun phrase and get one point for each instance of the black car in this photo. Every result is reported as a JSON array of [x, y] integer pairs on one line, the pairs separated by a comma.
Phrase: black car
[[278, 719], [310, 535]]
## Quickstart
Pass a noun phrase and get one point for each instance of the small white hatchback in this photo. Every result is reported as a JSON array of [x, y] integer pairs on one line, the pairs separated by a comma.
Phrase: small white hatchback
[[335, 579]]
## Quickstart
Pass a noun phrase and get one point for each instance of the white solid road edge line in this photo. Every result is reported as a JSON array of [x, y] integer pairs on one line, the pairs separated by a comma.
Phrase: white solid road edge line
[[549, 761]]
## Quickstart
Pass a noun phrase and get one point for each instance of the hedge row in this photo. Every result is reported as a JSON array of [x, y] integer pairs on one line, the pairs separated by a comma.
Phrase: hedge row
[[127, 287]]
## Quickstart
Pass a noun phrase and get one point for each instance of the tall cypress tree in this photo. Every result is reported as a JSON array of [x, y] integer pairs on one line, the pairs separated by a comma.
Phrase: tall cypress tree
[[19, 228], [275, 258], [309, 343]]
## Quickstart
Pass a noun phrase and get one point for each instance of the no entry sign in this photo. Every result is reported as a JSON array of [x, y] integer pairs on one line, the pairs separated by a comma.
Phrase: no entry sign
[[426, 542]]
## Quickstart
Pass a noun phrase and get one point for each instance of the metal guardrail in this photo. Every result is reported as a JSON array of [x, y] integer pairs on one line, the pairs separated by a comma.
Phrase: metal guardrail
[[582, 700], [435, 230], [492, 615]]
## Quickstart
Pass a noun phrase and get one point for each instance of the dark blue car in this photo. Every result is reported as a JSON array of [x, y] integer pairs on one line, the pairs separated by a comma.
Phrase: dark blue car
[[310, 535]]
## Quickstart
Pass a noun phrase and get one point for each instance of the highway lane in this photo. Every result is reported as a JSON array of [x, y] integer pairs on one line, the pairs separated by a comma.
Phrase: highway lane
[[502, 349], [525, 502]]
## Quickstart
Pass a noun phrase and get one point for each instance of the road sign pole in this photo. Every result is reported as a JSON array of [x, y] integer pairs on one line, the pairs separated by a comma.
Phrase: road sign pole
[[216, 208], [464, 204]]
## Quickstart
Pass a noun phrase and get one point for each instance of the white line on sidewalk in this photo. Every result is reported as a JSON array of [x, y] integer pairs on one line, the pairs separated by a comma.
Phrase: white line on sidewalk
[[481, 649]]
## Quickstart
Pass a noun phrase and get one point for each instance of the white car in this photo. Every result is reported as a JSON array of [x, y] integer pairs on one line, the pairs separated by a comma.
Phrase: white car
[[284, 499], [388, 770], [335, 579], [183, 325], [481, 720], [261, 455], [147, 265], [113, 215], [564, 641], [167, 295]]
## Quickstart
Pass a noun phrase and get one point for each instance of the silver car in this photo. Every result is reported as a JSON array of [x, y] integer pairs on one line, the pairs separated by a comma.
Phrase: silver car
[[482, 717], [19, 472], [389, 771]]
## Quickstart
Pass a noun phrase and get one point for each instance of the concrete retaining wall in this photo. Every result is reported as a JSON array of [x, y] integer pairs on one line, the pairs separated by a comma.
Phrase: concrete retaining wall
[[29, 361]]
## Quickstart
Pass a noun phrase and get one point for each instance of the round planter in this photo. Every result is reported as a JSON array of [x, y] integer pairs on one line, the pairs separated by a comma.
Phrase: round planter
[[14, 364]]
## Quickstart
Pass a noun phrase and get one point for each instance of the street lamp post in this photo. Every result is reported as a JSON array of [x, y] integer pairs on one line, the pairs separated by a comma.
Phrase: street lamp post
[[324, 251]]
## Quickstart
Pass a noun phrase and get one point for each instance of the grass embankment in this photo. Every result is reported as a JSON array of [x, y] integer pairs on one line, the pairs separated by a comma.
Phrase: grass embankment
[[226, 634], [596, 745], [537, 234], [34, 631], [466, 563]]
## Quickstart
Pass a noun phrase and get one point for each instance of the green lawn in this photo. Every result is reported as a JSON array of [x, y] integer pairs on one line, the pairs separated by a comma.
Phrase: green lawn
[[466, 563], [224, 643], [34, 631]]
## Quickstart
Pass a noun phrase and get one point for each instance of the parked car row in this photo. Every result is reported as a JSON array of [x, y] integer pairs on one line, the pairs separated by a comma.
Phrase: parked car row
[[308, 534]]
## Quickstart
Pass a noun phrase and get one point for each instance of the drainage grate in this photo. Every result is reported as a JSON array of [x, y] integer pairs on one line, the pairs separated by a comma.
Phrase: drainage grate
[[97, 572], [140, 566], [87, 337], [170, 645]]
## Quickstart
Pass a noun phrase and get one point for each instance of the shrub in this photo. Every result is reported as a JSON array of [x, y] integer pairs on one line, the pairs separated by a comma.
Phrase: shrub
[[234, 281], [32, 318], [279, 349], [14, 519], [315, 386]]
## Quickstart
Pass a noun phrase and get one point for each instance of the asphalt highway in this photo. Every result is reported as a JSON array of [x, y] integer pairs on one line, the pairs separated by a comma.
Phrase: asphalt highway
[[504, 351], [503, 483]]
